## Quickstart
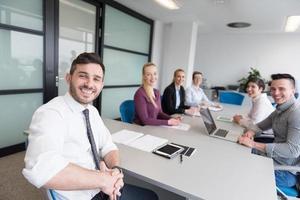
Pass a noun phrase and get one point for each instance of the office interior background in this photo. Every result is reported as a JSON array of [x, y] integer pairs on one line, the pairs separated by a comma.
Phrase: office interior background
[[40, 38]]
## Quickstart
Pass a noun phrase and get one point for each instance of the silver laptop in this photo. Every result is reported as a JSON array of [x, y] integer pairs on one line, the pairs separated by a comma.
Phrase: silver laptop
[[212, 129]]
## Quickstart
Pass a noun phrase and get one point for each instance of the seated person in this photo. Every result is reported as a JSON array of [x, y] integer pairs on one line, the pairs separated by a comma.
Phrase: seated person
[[261, 106], [285, 123], [147, 101], [195, 95], [67, 138], [173, 100]]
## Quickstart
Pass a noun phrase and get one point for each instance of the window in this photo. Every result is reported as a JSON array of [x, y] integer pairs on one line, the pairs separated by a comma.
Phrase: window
[[75, 36], [127, 44], [21, 66]]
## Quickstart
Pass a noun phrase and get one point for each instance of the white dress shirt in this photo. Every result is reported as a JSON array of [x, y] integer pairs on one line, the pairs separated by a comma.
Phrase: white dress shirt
[[177, 97], [58, 136], [261, 108], [194, 96]]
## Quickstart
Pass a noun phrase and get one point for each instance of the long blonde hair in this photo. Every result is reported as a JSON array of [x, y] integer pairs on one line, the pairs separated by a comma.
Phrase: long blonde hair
[[148, 89]]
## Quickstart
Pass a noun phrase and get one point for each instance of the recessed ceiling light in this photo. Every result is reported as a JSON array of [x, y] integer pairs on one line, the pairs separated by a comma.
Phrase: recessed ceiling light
[[292, 23], [170, 4], [238, 25]]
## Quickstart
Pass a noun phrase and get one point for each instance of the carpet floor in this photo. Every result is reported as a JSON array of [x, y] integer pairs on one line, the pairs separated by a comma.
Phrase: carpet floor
[[13, 186]]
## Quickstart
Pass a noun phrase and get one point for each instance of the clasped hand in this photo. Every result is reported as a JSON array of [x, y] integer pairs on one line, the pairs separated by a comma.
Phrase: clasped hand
[[247, 139], [113, 182]]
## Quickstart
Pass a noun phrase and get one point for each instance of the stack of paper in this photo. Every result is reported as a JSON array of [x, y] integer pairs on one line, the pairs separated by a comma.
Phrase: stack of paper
[[181, 126], [126, 136], [215, 108], [148, 143], [224, 119], [138, 140]]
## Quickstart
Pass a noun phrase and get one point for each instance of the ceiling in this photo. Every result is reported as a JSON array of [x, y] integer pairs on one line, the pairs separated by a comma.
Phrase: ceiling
[[266, 16]]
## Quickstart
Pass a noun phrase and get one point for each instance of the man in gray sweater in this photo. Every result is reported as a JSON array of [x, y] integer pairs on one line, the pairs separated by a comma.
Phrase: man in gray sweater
[[285, 122]]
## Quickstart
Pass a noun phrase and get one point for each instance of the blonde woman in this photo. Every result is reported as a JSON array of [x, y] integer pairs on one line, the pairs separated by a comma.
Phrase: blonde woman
[[147, 101]]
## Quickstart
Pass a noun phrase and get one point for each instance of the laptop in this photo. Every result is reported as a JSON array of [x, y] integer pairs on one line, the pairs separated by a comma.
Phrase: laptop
[[212, 129]]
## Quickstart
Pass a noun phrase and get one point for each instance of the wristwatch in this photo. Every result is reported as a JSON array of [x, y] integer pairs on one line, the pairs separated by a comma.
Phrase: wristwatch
[[117, 167]]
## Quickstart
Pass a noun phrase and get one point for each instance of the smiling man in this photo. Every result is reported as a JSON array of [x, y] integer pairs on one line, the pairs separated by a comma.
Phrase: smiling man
[[285, 123], [68, 140]]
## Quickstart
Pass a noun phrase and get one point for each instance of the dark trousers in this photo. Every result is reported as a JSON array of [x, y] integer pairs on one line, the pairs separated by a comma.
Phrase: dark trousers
[[264, 138], [131, 192]]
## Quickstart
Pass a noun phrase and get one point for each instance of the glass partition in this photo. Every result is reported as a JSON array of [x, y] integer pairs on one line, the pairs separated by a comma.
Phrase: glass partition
[[112, 98], [125, 31], [16, 113], [21, 60], [126, 49], [77, 27], [26, 14], [123, 68]]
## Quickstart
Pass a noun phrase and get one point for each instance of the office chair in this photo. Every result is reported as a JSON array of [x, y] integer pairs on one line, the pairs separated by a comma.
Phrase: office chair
[[289, 192], [231, 97], [26, 134], [127, 111], [53, 195], [217, 89]]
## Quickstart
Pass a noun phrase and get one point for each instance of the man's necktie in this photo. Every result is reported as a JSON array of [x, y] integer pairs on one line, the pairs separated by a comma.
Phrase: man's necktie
[[91, 139], [101, 195]]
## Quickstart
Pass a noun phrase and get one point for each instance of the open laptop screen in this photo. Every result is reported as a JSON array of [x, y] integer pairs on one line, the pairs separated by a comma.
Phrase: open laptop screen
[[208, 120]]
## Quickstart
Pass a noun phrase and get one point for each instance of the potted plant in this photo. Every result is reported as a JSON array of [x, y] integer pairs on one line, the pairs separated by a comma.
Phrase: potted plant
[[253, 73]]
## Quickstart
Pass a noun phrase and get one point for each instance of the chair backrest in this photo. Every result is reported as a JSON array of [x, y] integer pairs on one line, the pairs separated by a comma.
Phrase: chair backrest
[[53, 195], [231, 97], [127, 111]]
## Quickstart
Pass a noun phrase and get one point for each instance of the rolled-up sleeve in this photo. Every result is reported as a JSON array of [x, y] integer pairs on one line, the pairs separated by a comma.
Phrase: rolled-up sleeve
[[43, 158], [290, 148], [107, 143], [105, 140]]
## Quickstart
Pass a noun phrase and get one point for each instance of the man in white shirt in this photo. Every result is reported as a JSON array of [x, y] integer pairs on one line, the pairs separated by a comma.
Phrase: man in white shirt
[[195, 96], [59, 155]]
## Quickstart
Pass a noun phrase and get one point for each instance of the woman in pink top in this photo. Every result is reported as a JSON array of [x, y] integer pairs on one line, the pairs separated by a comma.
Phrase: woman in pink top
[[147, 101]]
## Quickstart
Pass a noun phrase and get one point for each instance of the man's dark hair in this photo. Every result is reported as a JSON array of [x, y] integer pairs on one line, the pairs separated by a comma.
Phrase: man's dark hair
[[86, 58], [284, 76], [196, 73], [257, 81]]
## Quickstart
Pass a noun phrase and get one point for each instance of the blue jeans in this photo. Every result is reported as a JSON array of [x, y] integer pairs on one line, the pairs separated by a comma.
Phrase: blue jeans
[[285, 179]]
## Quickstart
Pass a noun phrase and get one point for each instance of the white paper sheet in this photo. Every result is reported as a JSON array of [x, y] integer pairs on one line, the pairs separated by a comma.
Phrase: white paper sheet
[[148, 143], [181, 126], [126, 136], [215, 108], [224, 119]]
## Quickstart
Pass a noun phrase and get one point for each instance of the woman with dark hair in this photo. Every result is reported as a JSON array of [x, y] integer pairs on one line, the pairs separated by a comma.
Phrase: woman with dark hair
[[173, 100], [147, 101], [261, 106]]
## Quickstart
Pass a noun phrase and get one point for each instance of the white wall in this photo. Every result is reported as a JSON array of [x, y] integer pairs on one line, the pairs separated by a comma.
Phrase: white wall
[[179, 44], [157, 45], [224, 59]]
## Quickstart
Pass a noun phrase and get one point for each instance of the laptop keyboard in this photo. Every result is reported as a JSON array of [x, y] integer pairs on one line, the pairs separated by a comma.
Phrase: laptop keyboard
[[221, 133]]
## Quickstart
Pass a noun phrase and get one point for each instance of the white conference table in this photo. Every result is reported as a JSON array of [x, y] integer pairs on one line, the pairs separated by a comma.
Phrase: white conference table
[[218, 170]]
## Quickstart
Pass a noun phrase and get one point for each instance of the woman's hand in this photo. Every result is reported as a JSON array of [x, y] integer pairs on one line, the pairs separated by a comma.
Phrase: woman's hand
[[237, 118], [174, 122]]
